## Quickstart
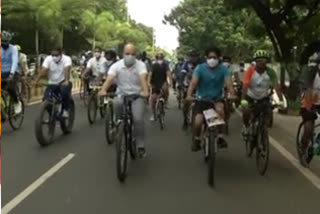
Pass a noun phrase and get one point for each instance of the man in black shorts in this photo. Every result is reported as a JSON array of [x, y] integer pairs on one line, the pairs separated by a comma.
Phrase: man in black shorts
[[159, 79]]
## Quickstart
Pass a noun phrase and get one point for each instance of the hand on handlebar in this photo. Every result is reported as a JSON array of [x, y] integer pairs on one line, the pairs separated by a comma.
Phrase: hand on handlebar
[[102, 93]]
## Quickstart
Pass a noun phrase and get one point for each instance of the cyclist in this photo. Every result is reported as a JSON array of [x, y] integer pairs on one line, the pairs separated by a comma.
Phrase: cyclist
[[226, 61], [311, 99], [177, 73], [238, 73], [257, 82], [23, 69], [111, 58], [9, 68], [159, 79], [186, 73], [57, 67], [131, 77], [95, 65], [209, 79]]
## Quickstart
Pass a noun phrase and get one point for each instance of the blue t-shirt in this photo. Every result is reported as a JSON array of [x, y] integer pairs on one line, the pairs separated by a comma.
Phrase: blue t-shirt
[[9, 60], [211, 82]]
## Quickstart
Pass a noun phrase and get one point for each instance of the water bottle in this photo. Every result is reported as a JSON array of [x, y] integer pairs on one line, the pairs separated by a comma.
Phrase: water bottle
[[316, 145]]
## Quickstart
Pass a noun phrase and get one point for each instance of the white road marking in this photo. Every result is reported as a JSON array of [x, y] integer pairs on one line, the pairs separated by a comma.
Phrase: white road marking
[[36, 184], [313, 178]]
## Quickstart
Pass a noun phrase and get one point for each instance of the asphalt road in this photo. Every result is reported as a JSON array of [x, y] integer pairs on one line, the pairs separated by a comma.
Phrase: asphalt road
[[171, 179]]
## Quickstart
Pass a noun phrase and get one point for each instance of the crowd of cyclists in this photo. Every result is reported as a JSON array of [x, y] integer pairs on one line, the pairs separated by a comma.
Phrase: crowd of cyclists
[[200, 83]]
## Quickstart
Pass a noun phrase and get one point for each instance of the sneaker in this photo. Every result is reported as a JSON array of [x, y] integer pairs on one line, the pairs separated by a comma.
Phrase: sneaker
[[17, 107], [196, 145], [142, 152], [152, 118], [65, 114]]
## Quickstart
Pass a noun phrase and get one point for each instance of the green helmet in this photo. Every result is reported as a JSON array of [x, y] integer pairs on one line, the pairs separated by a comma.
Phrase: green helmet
[[6, 36], [261, 54]]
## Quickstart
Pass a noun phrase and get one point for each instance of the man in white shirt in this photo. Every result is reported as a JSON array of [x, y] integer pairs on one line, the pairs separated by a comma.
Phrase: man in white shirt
[[57, 67], [131, 78], [96, 65]]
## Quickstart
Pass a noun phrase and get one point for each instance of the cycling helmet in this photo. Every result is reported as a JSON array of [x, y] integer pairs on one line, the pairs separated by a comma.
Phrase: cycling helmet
[[6, 36], [261, 54], [18, 47]]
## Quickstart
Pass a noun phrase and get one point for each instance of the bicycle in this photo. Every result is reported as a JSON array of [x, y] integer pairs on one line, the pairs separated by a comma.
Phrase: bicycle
[[210, 137], [160, 111], [95, 102], [52, 108], [258, 137], [7, 107], [124, 139], [110, 122], [307, 156], [180, 95]]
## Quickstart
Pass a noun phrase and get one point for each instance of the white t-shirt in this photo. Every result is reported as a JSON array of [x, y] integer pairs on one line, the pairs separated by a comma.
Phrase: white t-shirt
[[57, 71], [128, 79], [97, 66]]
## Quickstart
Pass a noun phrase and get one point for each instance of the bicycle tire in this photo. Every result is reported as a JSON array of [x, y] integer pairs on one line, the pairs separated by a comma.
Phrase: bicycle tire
[[67, 127], [121, 154], [304, 160], [109, 125], [41, 138], [160, 110], [132, 146], [12, 115], [92, 109], [262, 143], [211, 159]]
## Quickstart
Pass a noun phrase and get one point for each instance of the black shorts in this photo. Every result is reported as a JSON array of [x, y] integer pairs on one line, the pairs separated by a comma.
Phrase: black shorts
[[199, 107], [310, 116], [156, 89]]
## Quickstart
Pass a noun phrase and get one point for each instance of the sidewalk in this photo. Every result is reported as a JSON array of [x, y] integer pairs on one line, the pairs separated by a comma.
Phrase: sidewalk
[[284, 131]]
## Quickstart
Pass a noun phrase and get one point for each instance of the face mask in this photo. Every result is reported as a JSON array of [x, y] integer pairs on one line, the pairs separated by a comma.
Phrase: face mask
[[160, 61], [212, 62], [5, 46], [56, 59], [97, 54], [129, 60], [227, 64], [109, 62]]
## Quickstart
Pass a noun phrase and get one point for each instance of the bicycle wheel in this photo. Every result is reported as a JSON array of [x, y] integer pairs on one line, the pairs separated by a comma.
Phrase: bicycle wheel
[[67, 124], [305, 155], [109, 125], [15, 120], [86, 96], [131, 144], [160, 110], [92, 109], [262, 151], [47, 118], [211, 159], [102, 108], [121, 153]]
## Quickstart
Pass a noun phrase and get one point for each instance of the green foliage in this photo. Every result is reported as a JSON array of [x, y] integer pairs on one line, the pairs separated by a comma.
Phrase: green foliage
[[74, 24], [203, 23]]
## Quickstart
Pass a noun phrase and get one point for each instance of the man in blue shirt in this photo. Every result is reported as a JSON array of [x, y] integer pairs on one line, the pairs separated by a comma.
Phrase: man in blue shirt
[[209, 80], [9, 68]]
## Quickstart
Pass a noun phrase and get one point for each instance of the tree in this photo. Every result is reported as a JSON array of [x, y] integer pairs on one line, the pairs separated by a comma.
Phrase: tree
[[203, 23]]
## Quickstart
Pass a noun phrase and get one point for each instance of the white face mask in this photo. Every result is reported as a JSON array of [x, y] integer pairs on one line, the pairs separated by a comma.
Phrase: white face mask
[[129, 60], [97, 54], [212, 62], [56, 59], [160, 61]]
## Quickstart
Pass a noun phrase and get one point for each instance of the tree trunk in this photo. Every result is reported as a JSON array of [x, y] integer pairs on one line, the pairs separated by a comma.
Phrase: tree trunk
[[37, 43]]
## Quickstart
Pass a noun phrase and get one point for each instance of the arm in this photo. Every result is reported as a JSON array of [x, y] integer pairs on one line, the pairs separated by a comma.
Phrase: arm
[[229, 84], [15, 61], [145, 89], [67, 73], [149, 78], [192, 86], [107, 84], [43, 73]]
